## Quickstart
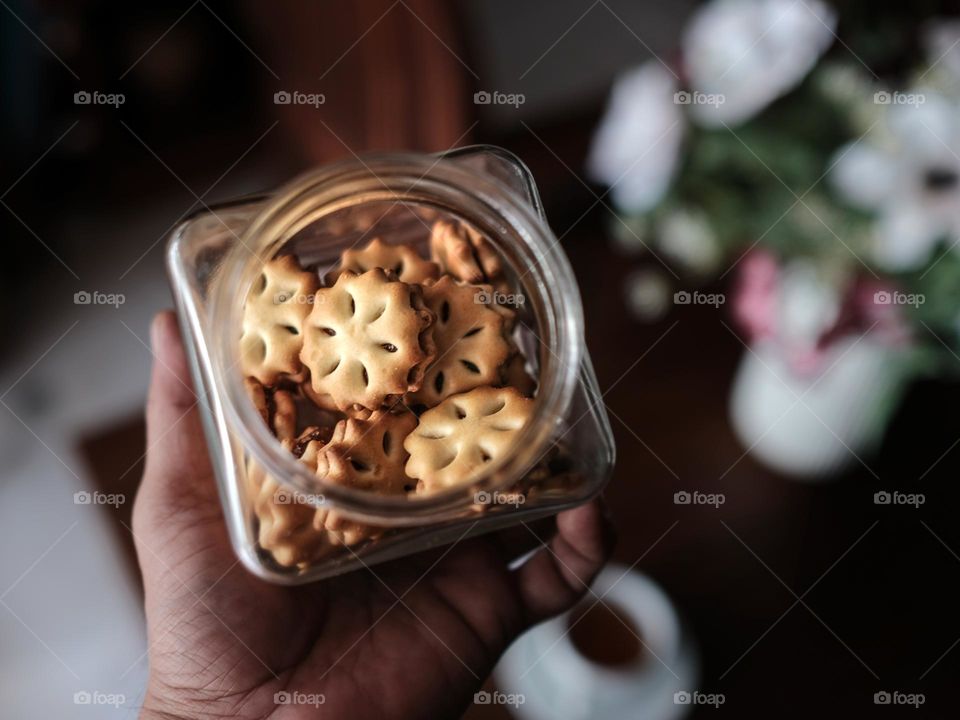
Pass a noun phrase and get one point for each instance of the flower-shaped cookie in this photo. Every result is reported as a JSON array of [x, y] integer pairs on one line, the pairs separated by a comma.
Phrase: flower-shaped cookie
[[464, 253], [367, 455], [367, 340], [401, 259], [470, 338], [456, 440], [273, 318]]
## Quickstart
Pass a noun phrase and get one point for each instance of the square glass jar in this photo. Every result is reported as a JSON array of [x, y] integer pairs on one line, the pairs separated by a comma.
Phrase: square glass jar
[[563, 456]]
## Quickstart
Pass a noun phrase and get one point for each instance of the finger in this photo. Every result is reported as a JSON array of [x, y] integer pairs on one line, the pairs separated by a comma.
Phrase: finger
[[558, 575], [178, 474]]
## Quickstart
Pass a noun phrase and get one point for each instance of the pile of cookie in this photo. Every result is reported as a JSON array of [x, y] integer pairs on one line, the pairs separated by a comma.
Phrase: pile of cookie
[[396, 375]]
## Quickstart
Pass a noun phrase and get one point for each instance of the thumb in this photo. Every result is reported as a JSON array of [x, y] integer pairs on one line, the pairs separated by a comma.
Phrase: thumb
[[178, 480]]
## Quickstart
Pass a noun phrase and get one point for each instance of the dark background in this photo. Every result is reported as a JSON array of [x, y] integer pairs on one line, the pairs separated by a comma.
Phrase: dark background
[[878, 586]]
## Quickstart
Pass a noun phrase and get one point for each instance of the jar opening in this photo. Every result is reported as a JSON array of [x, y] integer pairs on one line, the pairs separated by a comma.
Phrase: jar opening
[[311, 217]]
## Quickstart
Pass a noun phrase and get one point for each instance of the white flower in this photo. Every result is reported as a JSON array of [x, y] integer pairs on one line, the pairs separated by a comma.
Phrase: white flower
[[686, 237], [908, 173], [750, 52], [636, 148]]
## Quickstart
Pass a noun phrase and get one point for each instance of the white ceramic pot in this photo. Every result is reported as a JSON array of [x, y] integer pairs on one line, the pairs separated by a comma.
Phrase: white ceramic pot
[[812, 427]]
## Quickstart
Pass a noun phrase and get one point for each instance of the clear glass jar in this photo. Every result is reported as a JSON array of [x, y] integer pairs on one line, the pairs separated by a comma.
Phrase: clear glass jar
[[562, 458]]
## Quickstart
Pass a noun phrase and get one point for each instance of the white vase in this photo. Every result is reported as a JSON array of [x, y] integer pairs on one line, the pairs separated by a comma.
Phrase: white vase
[[812, 427]]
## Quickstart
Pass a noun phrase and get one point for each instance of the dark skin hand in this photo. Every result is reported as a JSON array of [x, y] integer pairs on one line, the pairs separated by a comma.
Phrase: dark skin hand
[[222, 643]]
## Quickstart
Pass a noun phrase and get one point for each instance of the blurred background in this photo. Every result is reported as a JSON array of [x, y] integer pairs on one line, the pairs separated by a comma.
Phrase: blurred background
[[761, 202]]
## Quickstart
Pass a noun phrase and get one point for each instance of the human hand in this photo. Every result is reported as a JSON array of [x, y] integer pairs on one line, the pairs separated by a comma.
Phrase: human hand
[[407, 639]]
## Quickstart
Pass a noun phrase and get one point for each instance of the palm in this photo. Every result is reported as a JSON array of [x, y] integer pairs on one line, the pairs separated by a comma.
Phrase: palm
[[412, 638]]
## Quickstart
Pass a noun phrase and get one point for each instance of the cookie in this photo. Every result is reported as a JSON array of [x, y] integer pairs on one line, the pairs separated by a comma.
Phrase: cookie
[[458, 439], [368, 340], [464, 253], [286, 525], [470, 339], [402, 260], [365, 455], [273, 316], [368, 454], [277, 408], [514, 374]]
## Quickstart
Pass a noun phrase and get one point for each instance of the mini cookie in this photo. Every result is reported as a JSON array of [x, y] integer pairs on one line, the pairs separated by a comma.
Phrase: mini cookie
[[368, 340], [456, 440], [470, 339], [464, 253], [366, 455], [273, 318], [277, 408], [287, 527], [514, 374], [408, 266]]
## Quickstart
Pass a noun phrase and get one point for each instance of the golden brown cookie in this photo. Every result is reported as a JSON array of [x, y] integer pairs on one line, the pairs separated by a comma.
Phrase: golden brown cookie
[[470, 340], [368, 340], [401, 259], [277, 408], [456, 440], [463, 252], [273, 316]]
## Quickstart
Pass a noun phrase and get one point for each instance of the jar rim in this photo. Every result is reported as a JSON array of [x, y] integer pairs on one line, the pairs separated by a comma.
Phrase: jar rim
[[438, 178]]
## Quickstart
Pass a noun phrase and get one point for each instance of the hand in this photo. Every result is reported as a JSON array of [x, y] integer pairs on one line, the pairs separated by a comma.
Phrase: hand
[[222, 642]]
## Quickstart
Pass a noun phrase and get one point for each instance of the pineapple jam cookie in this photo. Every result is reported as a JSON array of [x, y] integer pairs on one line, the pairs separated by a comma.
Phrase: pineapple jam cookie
[[456, 440], [402, 260], [368, 340], [464, 253], [273, 315], [365, 454], [471, 341]]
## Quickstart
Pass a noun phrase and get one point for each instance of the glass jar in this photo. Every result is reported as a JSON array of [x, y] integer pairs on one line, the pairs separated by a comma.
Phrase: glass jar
[[563, 456]]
